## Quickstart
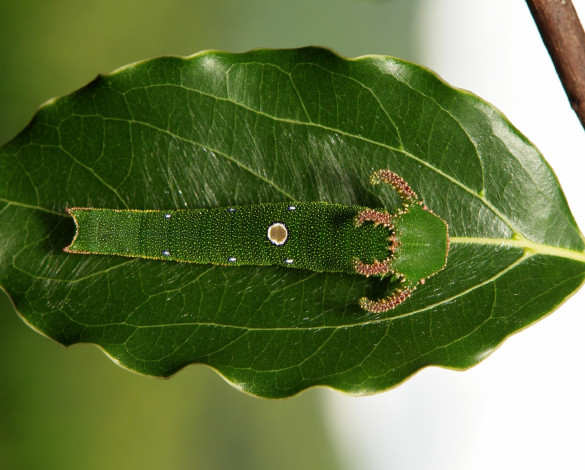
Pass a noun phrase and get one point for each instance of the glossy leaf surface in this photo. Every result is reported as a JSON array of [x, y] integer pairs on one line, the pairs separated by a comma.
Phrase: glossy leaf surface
[[218, 129]]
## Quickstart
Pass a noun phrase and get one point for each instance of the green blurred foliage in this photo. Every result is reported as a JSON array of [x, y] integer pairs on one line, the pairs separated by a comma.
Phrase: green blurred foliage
[[72, 408]]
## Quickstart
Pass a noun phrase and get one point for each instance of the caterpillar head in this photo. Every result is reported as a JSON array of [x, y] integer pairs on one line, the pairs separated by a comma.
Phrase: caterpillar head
[[419, 244]]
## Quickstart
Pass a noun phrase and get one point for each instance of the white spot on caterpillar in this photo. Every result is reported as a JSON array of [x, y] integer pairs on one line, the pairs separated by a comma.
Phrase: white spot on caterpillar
[[289, 261], [277, 233], [231, 209], [292, 208], [167, 216], [166, 253], [232, 259]]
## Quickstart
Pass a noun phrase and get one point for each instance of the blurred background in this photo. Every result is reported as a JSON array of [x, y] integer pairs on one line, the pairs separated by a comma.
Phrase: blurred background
[[73, 408]]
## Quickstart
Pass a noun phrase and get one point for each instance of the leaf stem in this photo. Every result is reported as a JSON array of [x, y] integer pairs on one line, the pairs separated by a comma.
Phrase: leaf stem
[[535, 248], [563, 35]]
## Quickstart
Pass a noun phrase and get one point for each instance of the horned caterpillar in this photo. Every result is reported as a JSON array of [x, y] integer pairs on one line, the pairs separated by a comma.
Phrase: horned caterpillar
[[411, 244]]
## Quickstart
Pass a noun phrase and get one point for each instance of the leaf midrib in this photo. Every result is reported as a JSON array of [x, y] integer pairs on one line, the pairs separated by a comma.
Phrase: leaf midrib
[[531, 247]]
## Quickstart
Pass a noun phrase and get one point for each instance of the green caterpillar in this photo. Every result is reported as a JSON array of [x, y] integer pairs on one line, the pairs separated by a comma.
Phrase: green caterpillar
[[411, 244]]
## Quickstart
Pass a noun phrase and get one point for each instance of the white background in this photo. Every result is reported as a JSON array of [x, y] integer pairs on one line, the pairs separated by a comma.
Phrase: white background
[[523, 406]]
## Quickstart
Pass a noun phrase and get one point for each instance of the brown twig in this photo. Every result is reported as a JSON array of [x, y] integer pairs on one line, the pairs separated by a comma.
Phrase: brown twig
[[564, 38]]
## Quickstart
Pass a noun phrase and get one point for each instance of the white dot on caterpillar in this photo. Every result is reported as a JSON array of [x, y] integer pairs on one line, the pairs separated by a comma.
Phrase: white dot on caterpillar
[[166, 253], [289, 261], [232, 259], [231, 209], [277, 233], [292, 208], [167, 216]]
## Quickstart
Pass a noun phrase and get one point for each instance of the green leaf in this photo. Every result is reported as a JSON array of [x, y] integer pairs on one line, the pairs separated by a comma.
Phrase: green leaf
[[220, 129]]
